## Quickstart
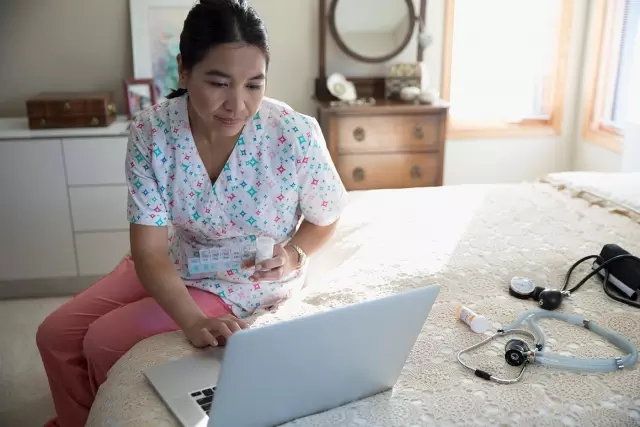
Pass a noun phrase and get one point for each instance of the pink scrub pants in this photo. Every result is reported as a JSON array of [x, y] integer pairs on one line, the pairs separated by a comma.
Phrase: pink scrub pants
[[81, 340]]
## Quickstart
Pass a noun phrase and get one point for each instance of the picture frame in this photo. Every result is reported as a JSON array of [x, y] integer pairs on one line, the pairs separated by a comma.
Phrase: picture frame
[[139, 94], [155, 36]]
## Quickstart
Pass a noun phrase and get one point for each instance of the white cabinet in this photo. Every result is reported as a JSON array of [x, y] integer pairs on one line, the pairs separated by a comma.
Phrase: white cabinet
[[99, 253], [36, 239], [99, 208], [62, 206], [94, 161]]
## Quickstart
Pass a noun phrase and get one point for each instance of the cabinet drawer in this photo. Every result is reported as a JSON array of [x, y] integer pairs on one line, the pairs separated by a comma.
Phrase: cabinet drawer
[[400, 170], [99, 253], [99, 208], [405, 133], [95, 160]]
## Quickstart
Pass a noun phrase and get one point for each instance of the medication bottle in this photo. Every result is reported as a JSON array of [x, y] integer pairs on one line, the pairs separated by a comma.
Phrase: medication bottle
[[264, 248], [478, 324]]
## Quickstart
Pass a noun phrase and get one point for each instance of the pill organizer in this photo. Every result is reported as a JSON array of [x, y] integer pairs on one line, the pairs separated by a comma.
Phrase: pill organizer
[[217, 259]]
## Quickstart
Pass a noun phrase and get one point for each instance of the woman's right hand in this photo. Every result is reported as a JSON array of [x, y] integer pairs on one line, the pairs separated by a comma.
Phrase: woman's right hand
[[213, 331]]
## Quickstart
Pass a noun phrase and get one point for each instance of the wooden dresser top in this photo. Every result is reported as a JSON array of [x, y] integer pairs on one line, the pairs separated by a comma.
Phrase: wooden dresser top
[[382, 106]]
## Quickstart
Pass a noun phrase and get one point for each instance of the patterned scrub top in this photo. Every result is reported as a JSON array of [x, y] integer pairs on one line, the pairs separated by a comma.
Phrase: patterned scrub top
[[279, 172]]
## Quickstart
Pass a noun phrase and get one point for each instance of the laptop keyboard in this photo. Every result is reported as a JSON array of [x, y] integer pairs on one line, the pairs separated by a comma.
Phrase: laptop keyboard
[[204, 397]]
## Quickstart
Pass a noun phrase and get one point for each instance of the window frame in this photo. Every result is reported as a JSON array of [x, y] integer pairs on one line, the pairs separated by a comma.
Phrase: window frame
[[601, 59], [529, 127]]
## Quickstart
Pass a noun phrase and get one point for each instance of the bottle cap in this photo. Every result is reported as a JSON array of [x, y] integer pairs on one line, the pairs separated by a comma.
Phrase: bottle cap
[[480, 325]]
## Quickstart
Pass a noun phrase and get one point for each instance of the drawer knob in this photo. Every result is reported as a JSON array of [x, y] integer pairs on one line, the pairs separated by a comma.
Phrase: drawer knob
[[416, 172], [67, 106], [358, 174], [94, 121], [359, 134], [418, 132]]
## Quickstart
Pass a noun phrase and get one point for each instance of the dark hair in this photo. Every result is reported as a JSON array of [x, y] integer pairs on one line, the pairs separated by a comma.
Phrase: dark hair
[[213, 22]]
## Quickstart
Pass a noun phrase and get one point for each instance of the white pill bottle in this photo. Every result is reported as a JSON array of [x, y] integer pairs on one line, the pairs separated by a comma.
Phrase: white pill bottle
[[478, 324], [264, 248]]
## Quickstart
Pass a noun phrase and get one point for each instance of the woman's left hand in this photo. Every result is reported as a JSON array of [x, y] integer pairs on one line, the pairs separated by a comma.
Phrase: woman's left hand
[[281, 265]]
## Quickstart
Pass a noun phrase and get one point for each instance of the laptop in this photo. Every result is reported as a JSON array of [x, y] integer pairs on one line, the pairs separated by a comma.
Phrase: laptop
[[272, 374]]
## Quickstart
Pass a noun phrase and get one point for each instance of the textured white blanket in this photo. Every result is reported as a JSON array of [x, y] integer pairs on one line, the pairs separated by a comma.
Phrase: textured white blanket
[[471, 240]]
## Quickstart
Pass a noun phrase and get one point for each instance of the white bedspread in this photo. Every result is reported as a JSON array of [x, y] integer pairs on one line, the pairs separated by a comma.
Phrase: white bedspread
[[471, 240]]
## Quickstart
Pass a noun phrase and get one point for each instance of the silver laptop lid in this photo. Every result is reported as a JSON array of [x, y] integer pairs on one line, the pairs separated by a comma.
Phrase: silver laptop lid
[[278, 372]]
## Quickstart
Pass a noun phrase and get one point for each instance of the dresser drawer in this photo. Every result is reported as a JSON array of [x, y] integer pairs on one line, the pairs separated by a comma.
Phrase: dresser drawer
[[399, 170], [389, 133], [95, 161]]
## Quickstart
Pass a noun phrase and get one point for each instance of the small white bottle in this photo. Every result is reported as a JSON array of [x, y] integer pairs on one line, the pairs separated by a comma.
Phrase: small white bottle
[[264, 248], [478, 324]]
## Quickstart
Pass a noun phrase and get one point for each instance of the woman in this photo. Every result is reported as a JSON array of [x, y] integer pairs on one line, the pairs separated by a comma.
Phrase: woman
[[223, 165]]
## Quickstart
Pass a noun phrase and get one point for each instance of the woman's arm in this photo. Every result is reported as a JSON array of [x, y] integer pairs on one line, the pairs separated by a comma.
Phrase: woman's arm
[[149, 250], [310, 238]]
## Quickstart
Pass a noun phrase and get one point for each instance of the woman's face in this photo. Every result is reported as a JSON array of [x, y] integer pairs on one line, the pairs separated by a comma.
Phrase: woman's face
[[226, 87]]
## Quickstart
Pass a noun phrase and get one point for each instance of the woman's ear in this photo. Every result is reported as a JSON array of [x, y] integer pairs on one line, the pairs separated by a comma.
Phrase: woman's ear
[[182, 73]]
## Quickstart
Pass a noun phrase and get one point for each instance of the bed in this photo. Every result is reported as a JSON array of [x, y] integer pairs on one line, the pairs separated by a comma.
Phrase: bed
[[471, 239]]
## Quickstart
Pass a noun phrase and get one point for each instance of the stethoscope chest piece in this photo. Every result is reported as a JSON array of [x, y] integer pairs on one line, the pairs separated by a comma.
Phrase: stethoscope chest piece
[[516, 352]]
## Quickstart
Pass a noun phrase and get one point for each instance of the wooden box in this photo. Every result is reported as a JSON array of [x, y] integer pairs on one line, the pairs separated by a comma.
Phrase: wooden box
[[401, 76], [51, 110]]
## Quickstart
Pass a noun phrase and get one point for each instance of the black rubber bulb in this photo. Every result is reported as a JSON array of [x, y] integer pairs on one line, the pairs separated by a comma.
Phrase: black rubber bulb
[[550, 299]]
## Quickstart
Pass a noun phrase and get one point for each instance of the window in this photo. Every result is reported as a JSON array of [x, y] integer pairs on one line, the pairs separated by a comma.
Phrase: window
[[615, 26], [504, 65]]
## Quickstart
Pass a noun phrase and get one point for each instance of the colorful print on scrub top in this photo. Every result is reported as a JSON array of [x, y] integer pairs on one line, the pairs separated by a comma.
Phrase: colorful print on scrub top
[[279, 172]]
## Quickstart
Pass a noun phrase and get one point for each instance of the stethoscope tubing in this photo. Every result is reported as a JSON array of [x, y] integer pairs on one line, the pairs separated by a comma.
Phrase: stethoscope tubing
[[544, 358]]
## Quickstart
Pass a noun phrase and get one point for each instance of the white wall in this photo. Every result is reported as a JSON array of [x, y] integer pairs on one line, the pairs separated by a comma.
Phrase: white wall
[[592, 157]]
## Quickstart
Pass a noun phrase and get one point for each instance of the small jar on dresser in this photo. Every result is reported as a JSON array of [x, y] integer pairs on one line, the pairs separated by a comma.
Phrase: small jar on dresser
[[386, 145]]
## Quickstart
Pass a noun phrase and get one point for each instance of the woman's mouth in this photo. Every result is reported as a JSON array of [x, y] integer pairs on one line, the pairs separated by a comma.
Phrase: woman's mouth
[[228, 122]]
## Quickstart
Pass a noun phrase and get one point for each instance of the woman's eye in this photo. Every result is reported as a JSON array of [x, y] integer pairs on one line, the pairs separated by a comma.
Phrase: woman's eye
[[254, 87], [217, 84]]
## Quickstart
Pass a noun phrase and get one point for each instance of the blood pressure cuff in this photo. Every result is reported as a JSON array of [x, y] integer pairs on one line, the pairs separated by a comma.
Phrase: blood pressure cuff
[[624, 274]]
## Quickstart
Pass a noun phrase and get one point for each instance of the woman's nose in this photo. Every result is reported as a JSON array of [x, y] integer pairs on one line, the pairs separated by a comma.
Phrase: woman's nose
[[234, 103]]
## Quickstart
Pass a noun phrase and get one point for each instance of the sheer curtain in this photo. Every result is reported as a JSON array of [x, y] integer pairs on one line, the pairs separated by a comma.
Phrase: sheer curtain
[[631, 142], [503, 58]]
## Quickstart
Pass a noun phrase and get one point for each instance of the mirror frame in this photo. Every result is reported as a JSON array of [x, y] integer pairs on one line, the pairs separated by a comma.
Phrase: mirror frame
[[371, 86], [368, 59]]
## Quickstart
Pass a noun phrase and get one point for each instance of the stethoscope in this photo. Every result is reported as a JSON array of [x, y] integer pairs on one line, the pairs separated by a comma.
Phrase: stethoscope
[[518, 352]]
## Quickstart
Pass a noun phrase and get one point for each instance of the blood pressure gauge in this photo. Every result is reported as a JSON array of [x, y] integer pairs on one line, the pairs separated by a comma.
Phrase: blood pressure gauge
[[521, 287], [524, 288]]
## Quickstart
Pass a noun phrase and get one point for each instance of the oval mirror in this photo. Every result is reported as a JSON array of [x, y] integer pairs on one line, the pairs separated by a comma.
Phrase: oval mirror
[[372, 30]]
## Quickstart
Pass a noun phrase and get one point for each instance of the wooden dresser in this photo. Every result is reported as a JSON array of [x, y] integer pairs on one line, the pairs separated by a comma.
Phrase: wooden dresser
[[386, 145]]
